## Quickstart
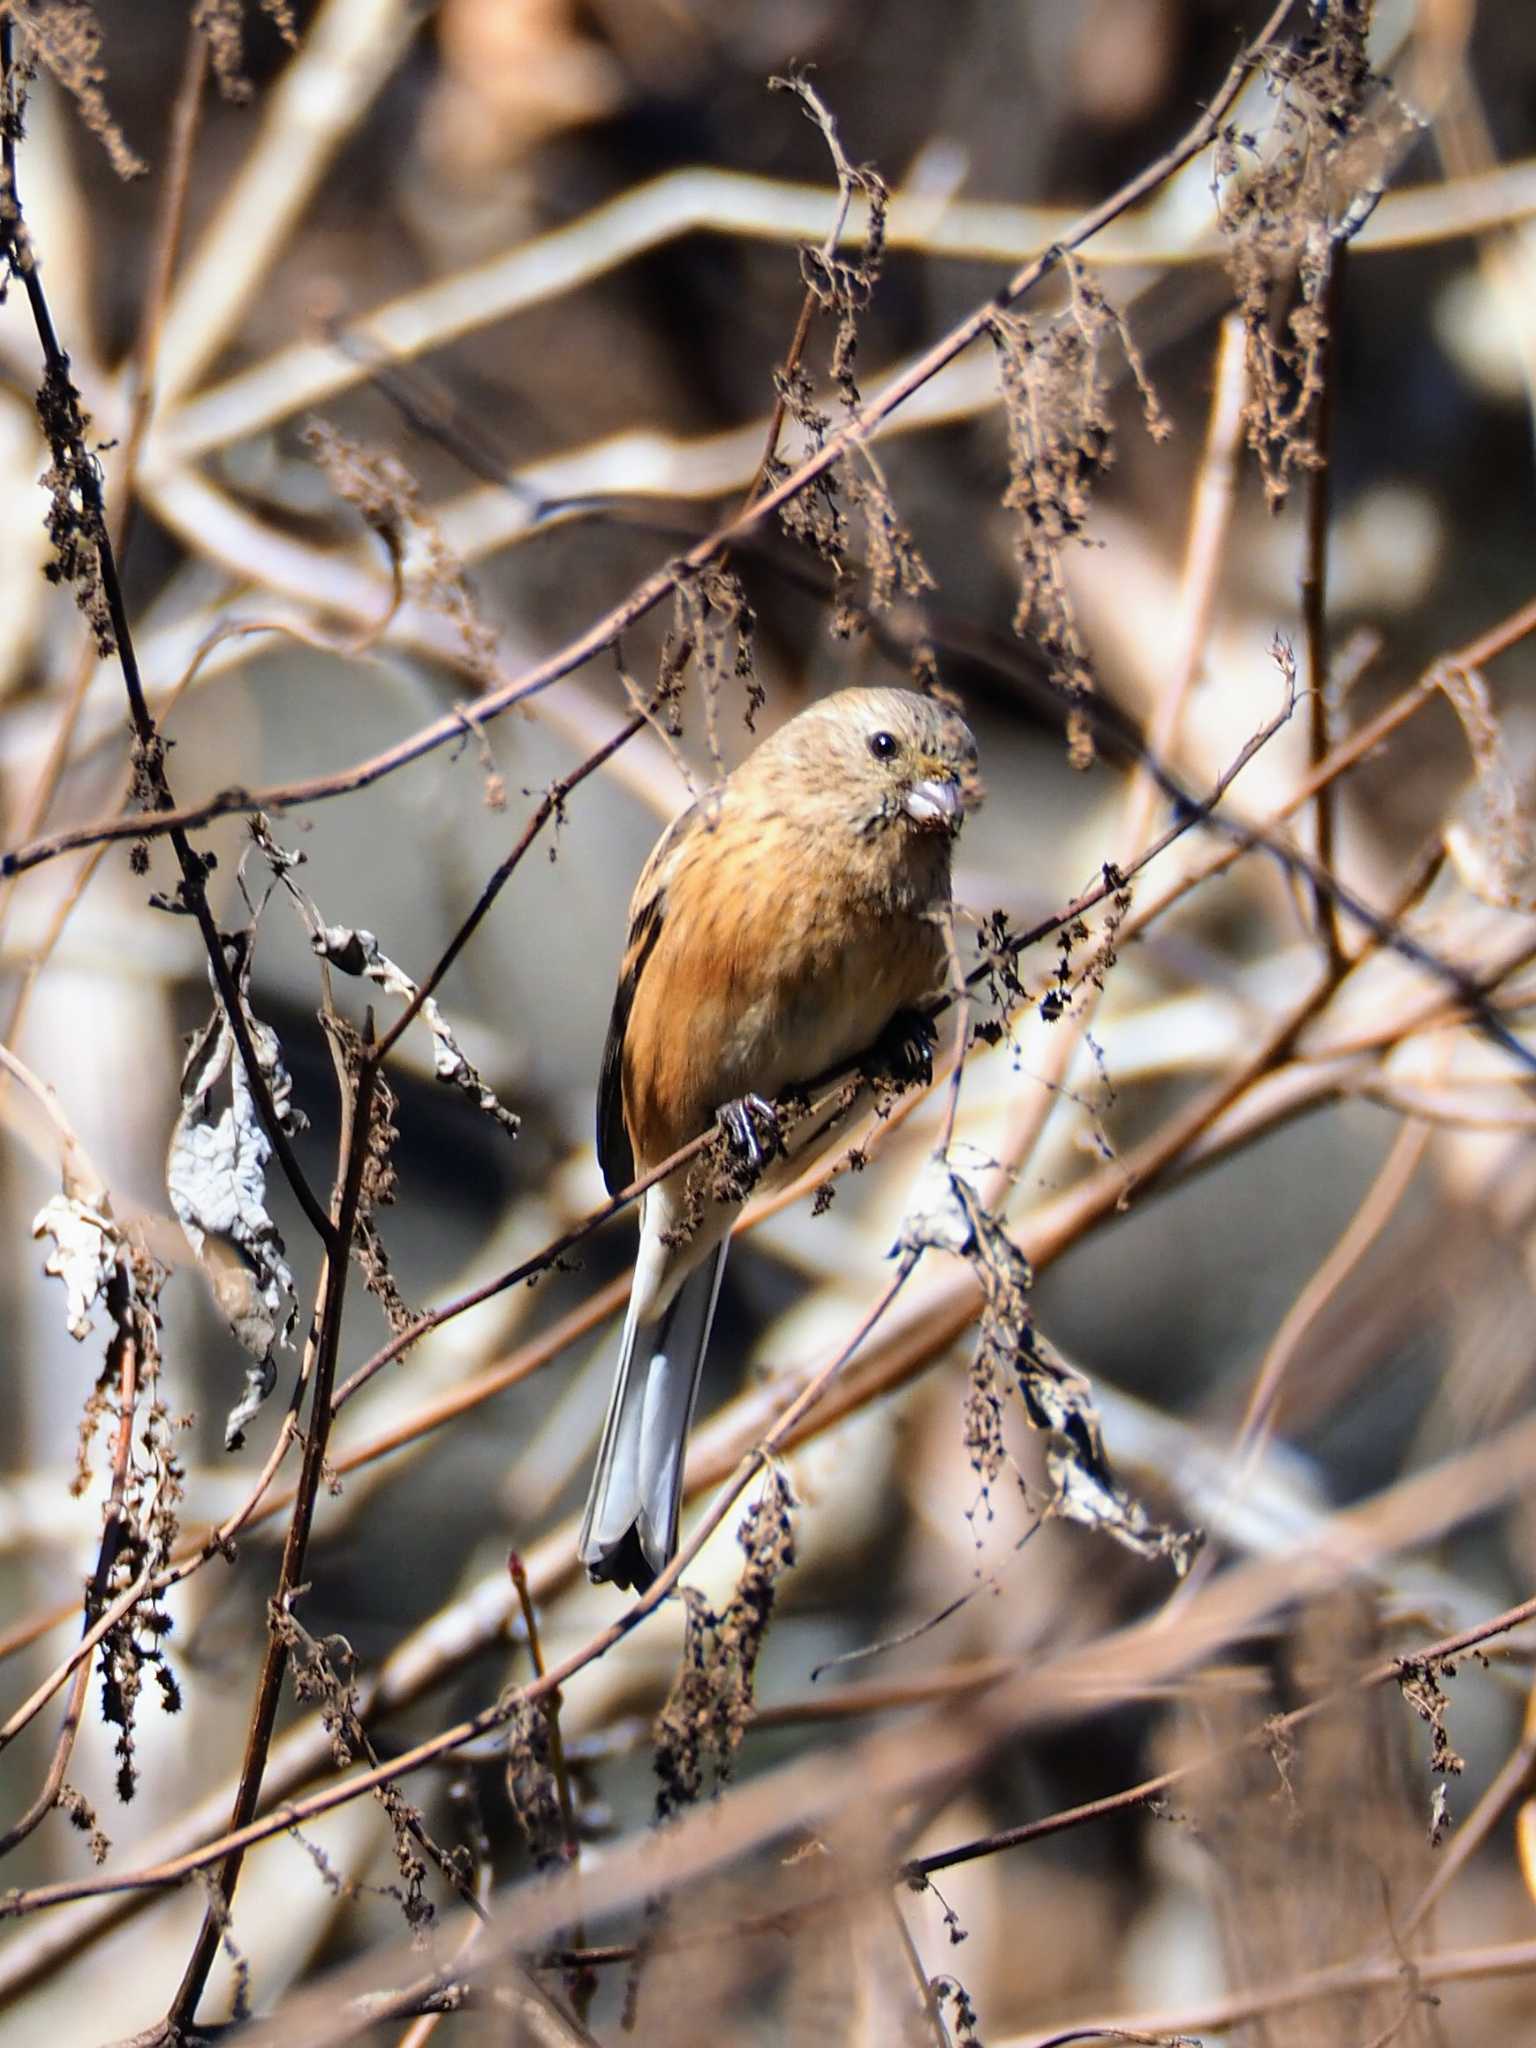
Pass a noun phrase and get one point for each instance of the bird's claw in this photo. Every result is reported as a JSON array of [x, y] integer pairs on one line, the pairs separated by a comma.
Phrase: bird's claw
[[751, 1127], [904, 1050]]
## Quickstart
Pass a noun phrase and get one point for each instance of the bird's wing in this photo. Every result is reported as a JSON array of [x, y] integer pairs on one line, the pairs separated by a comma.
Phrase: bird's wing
[[615, 1153]]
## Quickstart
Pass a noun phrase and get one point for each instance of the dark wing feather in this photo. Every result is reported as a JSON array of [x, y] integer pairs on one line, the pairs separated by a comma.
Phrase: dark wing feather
[[615, 1154]]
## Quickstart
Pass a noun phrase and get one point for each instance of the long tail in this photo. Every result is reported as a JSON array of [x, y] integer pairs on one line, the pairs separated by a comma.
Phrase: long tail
[[629, 1531]]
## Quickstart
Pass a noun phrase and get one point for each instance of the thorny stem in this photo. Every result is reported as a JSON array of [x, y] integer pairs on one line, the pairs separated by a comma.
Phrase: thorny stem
[[357, 1114]]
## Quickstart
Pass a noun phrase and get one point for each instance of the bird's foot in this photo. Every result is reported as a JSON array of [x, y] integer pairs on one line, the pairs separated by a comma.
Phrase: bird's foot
[[752, 1131], [903, 1053]]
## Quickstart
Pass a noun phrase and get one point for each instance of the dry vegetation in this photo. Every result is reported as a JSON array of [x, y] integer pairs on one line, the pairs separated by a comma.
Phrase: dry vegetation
[[426, 449]]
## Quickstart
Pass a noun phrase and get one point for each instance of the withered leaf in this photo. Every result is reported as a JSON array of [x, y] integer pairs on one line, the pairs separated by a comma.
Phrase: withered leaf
[[86, 1243], [216, 1176], [950, 1216], [358, 952]]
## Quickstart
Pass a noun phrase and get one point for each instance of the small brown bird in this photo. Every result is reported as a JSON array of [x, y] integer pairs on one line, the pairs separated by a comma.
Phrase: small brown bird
[[788, 921]]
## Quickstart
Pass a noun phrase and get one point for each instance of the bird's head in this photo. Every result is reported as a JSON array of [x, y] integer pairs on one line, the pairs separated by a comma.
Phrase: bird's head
[[910, 761]]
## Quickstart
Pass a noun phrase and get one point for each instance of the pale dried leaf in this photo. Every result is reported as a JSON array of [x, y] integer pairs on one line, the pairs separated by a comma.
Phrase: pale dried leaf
[[1489, 839], [950, 1216], [84, 1255], [358, 952], [216, 1177], [936, 1219]]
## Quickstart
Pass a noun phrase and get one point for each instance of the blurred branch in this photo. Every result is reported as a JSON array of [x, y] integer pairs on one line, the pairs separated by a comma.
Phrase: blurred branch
[[1413, 1512], [349, 49], [604, 632], [1338, 1981], [900, 1763], [687, 202], [1314, 581]]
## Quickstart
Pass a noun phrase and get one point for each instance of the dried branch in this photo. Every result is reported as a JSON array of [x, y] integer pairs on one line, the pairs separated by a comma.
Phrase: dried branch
[[612, 627], [319, 1372], [90, 554]]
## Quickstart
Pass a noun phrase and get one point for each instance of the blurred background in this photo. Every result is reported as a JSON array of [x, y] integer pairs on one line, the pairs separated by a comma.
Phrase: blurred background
[[547, 258]]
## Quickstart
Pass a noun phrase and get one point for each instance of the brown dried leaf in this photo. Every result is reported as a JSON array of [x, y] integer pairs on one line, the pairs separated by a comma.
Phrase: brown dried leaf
[[377, 1191], [840, 287], [1059, 443], [1287, 201], [384, 492], [710, 1705], [63, 38], [322, 1668], [221, 23], [76, 525], [712, 632], [532, 1787]]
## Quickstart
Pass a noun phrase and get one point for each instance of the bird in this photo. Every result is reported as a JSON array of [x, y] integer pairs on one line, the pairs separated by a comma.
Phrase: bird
[[792, 919]]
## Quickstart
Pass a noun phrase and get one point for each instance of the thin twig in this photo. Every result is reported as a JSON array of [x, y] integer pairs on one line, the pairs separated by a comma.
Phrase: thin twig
[[604, 632], [1314, 584], [93, 516], [357, 1114], [113, 1536], [1410, 1511], [550, 805], [1149, 1164]]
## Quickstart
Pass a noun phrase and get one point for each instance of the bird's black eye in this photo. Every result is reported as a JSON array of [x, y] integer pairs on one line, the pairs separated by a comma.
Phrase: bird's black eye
[[882, 745]]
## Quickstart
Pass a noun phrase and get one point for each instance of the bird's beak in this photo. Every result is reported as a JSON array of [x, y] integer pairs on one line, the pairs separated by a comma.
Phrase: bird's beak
[[937, 803]]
